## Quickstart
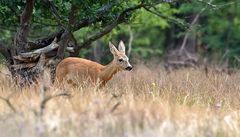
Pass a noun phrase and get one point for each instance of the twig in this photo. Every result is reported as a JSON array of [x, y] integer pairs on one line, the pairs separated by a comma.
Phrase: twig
[[115, 107], [209, 4], [47, 99], [170, 19], [8, 102]]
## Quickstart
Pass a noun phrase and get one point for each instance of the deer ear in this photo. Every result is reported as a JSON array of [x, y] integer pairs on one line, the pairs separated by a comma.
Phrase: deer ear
[[121, 47], [113, 49]]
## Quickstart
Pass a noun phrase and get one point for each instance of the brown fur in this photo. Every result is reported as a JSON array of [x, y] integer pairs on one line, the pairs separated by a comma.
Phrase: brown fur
[[82, 69]]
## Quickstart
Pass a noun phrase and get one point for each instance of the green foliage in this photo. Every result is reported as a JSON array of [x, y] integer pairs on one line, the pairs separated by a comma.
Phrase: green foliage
[[223, 31], [218, 28]]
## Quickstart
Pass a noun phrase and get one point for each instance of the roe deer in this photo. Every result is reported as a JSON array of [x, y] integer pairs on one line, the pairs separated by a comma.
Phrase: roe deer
[[73, 70]]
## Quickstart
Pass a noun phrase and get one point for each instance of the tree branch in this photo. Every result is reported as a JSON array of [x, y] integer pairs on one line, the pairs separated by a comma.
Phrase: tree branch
[[63, 45], [54, 11], [99, 17], [21, 37], [36, 53], [72, 15], [99, 34], [74, 26], [172, 20], [40, 65], [40, 43], [209, 4], [120, 19]]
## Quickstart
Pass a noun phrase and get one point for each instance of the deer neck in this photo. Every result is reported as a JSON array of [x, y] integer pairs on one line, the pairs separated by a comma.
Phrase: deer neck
[[108, 71]]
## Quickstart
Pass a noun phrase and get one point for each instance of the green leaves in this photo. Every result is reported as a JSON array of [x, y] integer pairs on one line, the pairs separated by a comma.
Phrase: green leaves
[[217, 28]]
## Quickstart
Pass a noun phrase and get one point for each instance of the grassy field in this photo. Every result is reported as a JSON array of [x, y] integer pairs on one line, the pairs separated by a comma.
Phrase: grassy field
[[147, 102]]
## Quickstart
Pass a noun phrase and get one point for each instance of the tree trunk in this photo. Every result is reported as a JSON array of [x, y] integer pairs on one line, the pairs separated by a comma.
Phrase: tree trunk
[[23, 75], [27, 60]]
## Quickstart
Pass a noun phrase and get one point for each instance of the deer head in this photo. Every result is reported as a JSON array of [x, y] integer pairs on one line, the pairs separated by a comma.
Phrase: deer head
[[120, 59]]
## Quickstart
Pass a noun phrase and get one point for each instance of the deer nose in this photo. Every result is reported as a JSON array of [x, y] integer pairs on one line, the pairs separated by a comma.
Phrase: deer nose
[[129, 68]]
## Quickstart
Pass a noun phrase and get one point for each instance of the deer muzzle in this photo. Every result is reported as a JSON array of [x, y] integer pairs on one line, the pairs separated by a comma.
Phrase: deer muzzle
[[129, 68]]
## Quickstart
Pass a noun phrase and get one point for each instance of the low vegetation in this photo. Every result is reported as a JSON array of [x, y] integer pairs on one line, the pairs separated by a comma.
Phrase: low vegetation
[[146, 102]]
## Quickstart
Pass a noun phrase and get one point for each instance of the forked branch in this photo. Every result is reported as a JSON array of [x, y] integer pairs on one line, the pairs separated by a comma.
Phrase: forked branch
[[46, 99], [8, 102]]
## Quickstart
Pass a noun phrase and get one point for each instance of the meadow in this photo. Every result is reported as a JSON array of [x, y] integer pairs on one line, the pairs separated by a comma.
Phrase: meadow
[[146, 102]]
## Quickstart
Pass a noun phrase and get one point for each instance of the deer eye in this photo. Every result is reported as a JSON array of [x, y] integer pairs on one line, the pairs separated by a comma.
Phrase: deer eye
[[120, 60]]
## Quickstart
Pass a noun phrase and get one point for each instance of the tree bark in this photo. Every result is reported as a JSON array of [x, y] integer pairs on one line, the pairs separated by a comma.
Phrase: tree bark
[[22, 75]]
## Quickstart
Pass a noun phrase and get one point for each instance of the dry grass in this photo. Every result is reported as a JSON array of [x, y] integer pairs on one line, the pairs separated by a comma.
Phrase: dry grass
[[144, 103]]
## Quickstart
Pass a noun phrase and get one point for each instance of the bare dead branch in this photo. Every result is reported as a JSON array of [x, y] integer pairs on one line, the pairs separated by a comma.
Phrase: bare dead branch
[[70, 49], [26, 59], [23, 65], [29, 64], [36, 53], [43, 42], [40, 65]]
